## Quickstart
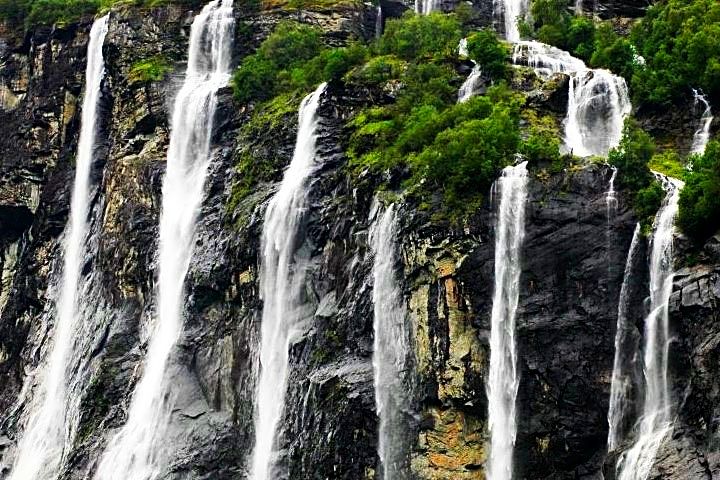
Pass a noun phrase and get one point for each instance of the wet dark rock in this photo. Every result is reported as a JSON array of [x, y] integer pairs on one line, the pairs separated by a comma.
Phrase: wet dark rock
[[574, 256]]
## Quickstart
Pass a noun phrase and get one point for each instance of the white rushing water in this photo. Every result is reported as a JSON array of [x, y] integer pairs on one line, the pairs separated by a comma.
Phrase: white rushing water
[[611, 196], [656, 419], [392, 346], [622, 377], [281, 280], [702, 134], [138, 450], [512, 11], [503, 378], [467, 89], [598, 101], [379, 22], [51, 426], [424, 7]]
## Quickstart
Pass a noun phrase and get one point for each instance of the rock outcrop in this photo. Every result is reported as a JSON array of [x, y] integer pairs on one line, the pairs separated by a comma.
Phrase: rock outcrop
[[574, 253]]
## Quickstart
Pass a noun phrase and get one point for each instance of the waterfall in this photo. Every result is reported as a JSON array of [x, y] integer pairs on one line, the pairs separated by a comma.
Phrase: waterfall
[[462, 48], [137, 451], [545, 59], [51, 424], [424, 7], [622, 374], [393, 351], [598, 101], [282, 280], [468, 87], [656, 420], [379, 22], [702, 134], [503, 379], [512, 11], [611, 196]]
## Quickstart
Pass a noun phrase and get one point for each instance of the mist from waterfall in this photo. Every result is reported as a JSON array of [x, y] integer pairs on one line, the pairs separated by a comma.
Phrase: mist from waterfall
[[656, 418], [139, 450], [598, 101], [282, 278], [702, 134], [392, 347], [503, 378], [53, 415], [625, 352]]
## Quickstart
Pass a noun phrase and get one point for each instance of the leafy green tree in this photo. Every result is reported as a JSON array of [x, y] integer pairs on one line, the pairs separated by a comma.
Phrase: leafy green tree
[[699, 215], [679, 41], [613, 52], [420, 36], [489, 52], [580, 39], [631, 157]]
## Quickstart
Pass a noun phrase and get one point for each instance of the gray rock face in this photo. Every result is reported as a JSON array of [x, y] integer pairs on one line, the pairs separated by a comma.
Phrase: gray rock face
[[573, 266]]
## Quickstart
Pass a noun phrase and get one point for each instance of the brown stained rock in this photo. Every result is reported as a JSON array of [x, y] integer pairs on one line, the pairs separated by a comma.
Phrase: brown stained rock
[[453, 449]]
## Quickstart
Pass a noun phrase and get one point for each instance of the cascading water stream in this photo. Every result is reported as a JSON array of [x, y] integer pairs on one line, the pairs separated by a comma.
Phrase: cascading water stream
[[503, 378], [512, 12], [392, 354], [138, 450], [598, 101], [625, 352], [424, 7], [656, 420], [379, 22], [51, 423], [282, 278], [611, 196], [702, 134], [468, 87]]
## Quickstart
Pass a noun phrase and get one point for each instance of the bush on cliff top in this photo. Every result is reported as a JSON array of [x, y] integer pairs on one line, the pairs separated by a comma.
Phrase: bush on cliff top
[[679, 41], [33, 13], [699, 215], [292, 57]]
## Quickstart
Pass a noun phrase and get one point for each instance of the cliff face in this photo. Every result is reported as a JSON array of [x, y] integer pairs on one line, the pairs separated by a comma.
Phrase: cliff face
[[573, 260]]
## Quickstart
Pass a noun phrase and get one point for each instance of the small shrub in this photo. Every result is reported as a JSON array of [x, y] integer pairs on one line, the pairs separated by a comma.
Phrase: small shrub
[[489, 52], [647, 202], [379, 70], [151, 69], [631, 157], [699, 215], [420, 36]]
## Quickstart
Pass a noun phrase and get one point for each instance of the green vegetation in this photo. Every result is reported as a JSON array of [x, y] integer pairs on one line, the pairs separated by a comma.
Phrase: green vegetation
[[439, 145], [595, 43], [632, 157], [32, 13], [456, 149], [151, 69], [699, 215], [679, 41], [542, 145], [292, 58], [485, 48], [668, 163], [676, 38], [267, 121]]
